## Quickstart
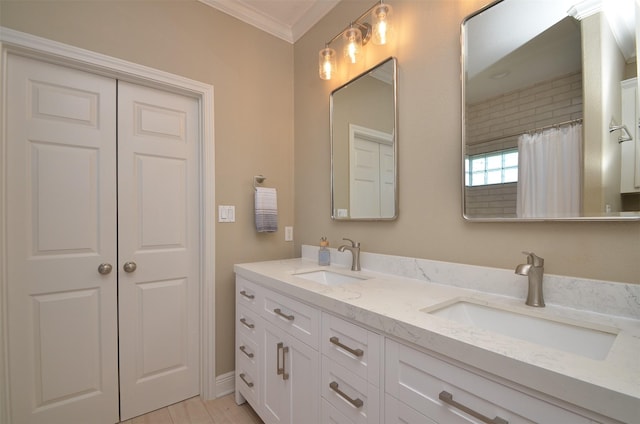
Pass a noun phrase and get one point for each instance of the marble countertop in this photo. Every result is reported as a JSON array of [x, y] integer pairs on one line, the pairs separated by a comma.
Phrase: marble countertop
[[393, 305]]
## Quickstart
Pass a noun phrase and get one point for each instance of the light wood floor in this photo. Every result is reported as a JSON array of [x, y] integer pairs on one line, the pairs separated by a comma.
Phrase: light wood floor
[[195, 411]]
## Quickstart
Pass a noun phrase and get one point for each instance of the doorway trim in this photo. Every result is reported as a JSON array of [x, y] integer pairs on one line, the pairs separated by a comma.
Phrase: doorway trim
[[19, 43]]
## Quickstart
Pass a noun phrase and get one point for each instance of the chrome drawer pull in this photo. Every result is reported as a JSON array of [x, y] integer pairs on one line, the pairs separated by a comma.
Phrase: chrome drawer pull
[[355, 352], [447, 397], [357, 403], [278, 311], [247, 295], [248, 325], [244, 350], [248, 383]]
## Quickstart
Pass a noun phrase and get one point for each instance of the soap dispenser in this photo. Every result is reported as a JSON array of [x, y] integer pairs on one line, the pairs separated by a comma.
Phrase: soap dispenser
[[324, 255]]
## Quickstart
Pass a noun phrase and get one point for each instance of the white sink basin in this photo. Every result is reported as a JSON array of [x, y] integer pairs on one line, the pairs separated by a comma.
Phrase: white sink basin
[[329, 278], [569, 337]]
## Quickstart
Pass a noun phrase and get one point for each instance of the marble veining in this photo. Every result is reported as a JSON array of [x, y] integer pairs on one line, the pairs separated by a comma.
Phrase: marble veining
[[606, 297], [391, 301]]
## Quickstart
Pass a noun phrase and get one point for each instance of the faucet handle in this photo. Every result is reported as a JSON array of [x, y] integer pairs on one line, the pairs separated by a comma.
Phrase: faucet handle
[[533, 259], [353, 243]]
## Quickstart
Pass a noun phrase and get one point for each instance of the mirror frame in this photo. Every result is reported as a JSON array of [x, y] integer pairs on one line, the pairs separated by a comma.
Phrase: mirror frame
[[595, 218], [394, 61]]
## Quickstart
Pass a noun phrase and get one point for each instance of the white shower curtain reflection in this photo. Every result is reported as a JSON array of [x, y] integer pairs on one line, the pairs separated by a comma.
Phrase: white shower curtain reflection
[[549, 173]]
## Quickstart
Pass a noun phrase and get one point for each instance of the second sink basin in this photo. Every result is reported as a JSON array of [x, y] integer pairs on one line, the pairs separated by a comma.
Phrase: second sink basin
[[329, 278], [569, 337]]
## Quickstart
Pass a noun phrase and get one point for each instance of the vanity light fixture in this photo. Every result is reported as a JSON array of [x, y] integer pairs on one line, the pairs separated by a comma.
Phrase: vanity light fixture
[[374, 23]]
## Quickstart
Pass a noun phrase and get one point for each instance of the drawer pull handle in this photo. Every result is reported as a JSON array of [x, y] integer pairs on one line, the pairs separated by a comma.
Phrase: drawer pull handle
[[244, 350], [447, 398], [247, 295], [357, 403], [355, 352], [280, 347], [278, 311], [248, 383], [247, 324]]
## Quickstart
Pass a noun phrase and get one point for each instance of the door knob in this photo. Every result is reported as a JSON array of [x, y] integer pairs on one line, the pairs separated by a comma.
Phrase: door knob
[[129, 266], [105, 269]]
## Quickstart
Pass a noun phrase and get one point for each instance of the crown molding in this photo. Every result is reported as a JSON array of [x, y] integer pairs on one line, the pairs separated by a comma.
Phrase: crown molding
[[289, 32]]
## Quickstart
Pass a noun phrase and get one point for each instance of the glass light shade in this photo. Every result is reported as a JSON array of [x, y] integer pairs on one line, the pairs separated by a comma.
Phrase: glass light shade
[[327, 63], [382, 23], [353, 46]]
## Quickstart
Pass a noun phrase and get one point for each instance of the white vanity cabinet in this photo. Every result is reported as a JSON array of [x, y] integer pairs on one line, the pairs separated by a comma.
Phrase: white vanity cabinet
[[298, 364], [422, 389], [630, 150], [351, 369], [277, 359]]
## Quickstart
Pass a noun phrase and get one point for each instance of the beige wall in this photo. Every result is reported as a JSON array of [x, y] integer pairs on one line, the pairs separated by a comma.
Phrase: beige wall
[[252, 75], [254, 80], [430, 224]]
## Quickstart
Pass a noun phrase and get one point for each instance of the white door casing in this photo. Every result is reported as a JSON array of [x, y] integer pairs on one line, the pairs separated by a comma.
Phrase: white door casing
[[20, 44], [61, 220], [158, 231]]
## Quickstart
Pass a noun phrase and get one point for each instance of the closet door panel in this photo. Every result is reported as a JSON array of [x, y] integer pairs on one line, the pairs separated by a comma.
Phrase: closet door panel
[[61, 211], [158, 231]]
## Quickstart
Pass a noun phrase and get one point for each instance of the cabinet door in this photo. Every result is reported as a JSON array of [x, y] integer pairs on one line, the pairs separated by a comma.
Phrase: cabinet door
[[290, 379], [304, 377], [275, 384]]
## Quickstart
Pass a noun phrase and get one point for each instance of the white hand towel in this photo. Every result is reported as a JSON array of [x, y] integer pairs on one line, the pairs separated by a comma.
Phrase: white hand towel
[[266, 210]]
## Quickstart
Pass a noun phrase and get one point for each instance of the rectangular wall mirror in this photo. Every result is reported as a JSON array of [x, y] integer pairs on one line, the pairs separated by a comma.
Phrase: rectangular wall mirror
[[364, 146], [550, 111]]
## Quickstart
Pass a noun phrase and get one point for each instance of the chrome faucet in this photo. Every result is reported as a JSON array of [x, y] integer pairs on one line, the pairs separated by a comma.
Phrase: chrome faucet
[[355, 253], [534, 268]]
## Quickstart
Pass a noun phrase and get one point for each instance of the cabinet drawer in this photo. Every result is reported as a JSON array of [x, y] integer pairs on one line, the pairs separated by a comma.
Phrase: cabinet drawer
[[296, 318], [353, 396], [396, 412], [248, 294], [353, 347], [417, 379], [247, 323], [247, 350], [331, 415], [247, 381]]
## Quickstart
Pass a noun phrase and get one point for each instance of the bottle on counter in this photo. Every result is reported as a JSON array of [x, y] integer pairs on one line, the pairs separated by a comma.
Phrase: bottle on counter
[[324, 255]]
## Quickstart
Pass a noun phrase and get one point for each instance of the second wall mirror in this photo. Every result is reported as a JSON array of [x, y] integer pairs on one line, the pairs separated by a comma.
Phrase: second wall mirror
[[550, 118], [364, 146]]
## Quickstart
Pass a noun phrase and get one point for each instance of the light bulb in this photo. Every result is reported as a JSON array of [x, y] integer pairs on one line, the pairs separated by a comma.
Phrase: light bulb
[[327, 63], [381, 18], [353, 38]]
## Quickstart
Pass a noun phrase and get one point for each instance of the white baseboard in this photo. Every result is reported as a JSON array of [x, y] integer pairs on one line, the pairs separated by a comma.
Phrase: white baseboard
[[225, 384]]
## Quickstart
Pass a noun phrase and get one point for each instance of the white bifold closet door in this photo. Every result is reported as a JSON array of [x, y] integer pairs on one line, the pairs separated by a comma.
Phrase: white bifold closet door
[[158, 232], [97, 176]]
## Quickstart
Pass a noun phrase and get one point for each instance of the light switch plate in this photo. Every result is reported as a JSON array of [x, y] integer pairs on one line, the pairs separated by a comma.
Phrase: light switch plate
[[288, 233], [226, 213]]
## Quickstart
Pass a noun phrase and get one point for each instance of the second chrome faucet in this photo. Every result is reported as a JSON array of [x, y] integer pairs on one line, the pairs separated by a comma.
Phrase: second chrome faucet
[[355, 253]]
